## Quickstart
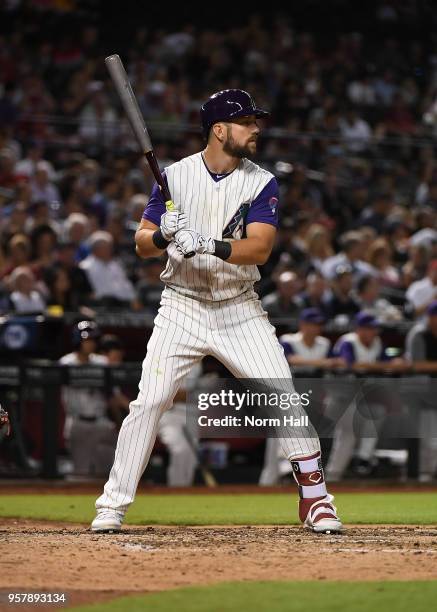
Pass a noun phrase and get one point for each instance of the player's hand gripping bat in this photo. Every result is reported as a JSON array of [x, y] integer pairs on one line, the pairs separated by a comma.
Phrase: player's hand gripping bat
[[132, 110]]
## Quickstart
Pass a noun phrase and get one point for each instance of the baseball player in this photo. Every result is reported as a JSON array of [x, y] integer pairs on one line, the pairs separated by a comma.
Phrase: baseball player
[[363, 351], [226, 213], [306, 351], [90, 434]]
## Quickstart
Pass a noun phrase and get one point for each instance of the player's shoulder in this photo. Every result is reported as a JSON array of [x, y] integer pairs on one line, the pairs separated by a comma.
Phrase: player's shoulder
[[185, 162], [348, 338], [251, 167], [290, 338], [322, 341], [69, 359]]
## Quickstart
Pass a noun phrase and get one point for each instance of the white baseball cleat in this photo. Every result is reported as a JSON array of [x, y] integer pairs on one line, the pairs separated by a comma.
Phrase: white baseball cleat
[[329, 523], [107, 521]]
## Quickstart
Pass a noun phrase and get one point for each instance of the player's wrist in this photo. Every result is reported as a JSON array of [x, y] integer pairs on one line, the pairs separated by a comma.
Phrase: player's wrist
[[222, 249], [159, 240]]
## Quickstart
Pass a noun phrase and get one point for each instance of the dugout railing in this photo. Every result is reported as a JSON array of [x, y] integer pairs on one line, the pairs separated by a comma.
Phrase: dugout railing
[[46, 378]]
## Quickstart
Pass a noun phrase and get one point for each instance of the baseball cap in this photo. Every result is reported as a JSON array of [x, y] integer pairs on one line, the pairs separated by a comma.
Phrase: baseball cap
[[312, 315], [366, 319], [432, 309]]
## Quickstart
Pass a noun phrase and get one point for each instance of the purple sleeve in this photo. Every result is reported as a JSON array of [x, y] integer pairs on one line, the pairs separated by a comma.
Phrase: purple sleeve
[[346, 350], [264, 208], [288, 349], [156, 206]]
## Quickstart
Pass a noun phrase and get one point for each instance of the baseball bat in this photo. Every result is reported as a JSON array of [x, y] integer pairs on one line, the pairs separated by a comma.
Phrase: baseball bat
[[208, 477], [136, 120]]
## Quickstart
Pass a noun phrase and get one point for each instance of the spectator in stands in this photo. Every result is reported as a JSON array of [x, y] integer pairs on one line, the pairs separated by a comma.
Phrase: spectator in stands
[[375, 215], [42, 189], [81, 290], [17, 253], [355, 131], [25, 297], [14, 218], [341, 303], [421, 293], [28, 166], [98, 118], [109, 282], [315, 294], [416, 266], [318, 245], [351, 254], [43, 241], [426, 233], [61, 293], [284, 302], [369, 299], [380, 258], [76, 231], [363, 351], [136, 207]]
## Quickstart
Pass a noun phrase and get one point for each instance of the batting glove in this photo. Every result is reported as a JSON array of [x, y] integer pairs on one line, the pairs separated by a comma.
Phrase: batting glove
[[172, 222], [190, 241]]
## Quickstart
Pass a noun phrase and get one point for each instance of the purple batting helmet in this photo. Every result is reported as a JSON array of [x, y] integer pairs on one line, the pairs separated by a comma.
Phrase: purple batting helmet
[[227, 105]]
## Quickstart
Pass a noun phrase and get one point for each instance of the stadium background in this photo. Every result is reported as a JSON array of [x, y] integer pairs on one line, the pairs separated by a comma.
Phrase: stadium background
[[352, 89]]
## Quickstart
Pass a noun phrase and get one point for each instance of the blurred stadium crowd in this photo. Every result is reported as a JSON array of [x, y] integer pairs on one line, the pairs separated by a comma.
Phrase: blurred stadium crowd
[[351, 139]]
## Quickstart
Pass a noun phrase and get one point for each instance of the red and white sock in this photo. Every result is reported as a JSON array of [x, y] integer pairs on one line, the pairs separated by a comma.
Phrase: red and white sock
[[308, 473]]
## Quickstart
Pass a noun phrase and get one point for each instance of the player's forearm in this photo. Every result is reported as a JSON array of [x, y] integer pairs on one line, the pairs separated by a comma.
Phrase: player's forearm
[[424, 366], [298, 360], [249, 251], [370, 366], [145, 246]]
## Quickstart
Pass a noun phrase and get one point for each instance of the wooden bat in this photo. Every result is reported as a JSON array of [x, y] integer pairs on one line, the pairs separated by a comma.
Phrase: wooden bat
[[136, 120]]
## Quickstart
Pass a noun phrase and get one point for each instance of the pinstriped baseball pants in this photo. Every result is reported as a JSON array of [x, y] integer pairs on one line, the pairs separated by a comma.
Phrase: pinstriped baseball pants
[[238, 333]]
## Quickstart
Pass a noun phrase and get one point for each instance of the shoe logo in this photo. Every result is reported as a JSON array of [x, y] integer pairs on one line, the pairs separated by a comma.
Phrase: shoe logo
[[315, 477], [295, 466]]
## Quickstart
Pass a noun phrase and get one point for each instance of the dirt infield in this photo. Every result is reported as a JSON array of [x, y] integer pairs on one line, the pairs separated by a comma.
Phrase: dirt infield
[[37, 556]]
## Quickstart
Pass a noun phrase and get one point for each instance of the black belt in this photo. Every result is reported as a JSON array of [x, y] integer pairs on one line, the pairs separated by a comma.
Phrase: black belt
[[89, 419]]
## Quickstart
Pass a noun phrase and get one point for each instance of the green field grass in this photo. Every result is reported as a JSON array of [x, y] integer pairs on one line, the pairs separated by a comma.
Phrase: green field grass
[[256, 509], [283, 597]]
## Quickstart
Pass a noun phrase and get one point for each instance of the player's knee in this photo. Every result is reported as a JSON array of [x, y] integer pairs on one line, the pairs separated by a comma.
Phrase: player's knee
[[145, 403]]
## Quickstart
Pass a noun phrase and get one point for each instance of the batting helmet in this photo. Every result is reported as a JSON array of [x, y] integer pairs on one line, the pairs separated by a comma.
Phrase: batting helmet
[[85, 330], [227, 105]]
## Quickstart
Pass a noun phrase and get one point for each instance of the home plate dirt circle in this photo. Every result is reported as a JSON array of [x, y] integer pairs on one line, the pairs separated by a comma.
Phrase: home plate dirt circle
[[91, 567]]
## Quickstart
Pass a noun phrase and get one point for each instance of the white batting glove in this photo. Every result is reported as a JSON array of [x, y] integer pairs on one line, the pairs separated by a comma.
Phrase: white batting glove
[[171, 222], [190, 241]]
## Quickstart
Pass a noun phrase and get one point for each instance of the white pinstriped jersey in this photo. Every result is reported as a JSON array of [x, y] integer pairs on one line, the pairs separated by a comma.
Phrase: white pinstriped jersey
[[211, 206], [294, 345]]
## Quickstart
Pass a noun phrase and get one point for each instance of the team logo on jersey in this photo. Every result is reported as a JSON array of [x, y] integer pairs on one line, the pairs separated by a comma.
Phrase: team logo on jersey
[[236, 227], [273, 203]]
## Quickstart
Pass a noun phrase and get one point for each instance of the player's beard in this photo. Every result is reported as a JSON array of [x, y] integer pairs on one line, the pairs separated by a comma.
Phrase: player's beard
[[235, 150]]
